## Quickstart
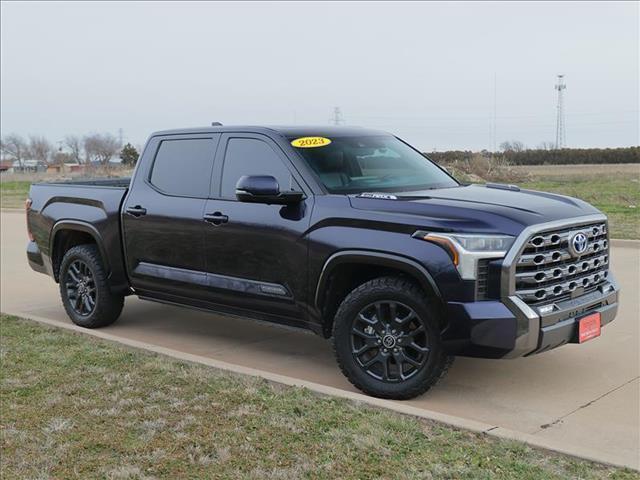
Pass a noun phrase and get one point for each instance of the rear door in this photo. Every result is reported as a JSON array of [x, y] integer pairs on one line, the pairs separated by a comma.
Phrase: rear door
[[257, 257], [162, 217]]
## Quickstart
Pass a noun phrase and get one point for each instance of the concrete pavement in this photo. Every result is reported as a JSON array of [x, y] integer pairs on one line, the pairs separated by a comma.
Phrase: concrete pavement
[[582, 399]]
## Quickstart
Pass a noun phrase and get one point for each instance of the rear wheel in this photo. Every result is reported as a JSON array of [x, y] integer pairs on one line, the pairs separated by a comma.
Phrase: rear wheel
[[387, 341], [84, 290]]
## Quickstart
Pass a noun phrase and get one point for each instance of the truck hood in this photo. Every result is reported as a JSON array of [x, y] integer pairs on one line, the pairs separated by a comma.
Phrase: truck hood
[[478, 208]]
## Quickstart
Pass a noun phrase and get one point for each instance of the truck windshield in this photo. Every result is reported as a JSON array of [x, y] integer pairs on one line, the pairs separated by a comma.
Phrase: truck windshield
[[371, 164]]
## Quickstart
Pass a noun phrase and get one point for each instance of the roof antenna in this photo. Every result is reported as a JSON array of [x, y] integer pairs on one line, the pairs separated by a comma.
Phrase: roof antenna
[[216, 124]]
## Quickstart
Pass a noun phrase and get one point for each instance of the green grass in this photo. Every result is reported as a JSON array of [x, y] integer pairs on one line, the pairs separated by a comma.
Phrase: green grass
[[77, 407], [13, 193], [617, 196]]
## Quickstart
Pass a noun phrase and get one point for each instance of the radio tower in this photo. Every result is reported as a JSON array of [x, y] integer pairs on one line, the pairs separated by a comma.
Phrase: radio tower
[[337, 116], [560, 87]]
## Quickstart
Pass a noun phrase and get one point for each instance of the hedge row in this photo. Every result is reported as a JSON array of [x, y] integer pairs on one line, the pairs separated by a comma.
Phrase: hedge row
[[565, 156]]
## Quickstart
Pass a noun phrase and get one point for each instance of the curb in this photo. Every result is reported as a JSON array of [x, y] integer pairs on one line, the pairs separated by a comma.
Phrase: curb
[[624, 243], [399, 407]]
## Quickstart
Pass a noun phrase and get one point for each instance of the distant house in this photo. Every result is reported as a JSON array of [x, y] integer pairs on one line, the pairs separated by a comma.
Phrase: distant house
[[75, 167], [6, 166], [66, 168], [28, 166]]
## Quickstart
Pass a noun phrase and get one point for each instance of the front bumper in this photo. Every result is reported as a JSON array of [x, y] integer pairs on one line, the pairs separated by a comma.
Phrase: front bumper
[[510, 328]]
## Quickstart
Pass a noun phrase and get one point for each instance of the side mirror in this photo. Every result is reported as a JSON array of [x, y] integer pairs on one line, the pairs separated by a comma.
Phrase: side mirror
[[264, 189]]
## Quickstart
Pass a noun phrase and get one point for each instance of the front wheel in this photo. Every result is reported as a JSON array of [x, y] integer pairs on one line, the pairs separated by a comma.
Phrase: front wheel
[[84, 290], [387, 341]]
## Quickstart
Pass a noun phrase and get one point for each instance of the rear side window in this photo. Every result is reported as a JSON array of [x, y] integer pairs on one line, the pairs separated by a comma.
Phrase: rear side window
[[249, 156], [183, 167]]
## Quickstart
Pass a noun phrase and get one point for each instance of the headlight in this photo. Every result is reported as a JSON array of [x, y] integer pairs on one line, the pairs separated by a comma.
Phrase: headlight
[[484, 243], [466, 249]]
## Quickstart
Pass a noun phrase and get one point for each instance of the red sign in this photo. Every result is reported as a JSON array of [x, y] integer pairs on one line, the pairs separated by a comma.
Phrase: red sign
[[589, 327]]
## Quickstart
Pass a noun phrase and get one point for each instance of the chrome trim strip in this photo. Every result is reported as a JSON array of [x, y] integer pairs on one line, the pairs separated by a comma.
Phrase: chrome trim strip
[[559, 272]]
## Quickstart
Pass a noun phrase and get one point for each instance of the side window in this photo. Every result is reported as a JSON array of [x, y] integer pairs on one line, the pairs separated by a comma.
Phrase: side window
[[183, 167], [249, 156]]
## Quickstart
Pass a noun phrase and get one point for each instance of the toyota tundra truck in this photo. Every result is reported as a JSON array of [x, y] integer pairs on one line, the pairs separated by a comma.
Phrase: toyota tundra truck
[[348, 232]]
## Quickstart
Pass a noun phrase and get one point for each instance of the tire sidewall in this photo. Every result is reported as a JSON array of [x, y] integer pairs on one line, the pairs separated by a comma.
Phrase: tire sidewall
[[347, 312]]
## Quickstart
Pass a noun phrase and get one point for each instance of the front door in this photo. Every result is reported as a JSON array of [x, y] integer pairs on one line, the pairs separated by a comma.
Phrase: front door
[[256, 254], [162, 217]]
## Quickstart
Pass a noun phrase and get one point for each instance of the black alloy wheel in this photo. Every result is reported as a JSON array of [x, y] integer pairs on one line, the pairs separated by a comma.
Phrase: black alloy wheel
[[81, 288], [389, 341], [387, 337]]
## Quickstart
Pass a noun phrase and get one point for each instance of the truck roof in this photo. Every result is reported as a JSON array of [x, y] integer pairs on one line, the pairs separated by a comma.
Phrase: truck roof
[[286, 131]]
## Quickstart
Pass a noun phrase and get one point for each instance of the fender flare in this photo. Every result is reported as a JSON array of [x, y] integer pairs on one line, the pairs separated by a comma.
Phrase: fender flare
[[407, 265], [80, 226]]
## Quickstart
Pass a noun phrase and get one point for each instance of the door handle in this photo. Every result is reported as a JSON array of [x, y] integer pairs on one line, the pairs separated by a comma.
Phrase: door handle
[[136, 211], [216, 218]]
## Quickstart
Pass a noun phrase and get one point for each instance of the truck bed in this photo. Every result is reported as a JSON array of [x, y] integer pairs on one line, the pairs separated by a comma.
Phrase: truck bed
[[89, 206], [93, 182]]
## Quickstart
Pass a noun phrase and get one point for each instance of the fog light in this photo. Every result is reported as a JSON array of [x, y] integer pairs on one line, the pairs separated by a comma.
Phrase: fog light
[[546, 309]]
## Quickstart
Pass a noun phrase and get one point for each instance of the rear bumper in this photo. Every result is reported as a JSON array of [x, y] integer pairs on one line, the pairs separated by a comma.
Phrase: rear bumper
[[36, 261], [510, 328]]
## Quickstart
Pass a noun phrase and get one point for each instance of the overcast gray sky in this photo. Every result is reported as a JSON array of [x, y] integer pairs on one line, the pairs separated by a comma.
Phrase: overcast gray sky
[[424, 71]]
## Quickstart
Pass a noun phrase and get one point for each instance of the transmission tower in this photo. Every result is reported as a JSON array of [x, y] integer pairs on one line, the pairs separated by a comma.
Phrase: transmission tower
[[560, 134], [337, 116]]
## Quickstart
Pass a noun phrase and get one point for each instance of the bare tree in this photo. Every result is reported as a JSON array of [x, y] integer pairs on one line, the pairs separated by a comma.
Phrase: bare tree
[[40, 148], [74, 144], [100, 147], [60, 157], [547, 146], [14, 147], [512, 146]]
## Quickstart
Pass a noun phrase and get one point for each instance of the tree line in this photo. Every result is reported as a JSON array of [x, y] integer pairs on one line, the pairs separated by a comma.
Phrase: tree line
[[87, 149], [545, 156]]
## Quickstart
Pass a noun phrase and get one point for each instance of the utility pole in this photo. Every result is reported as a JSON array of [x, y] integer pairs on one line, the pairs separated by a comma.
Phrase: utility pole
[[120, 136], [560, 134], [337, 116]]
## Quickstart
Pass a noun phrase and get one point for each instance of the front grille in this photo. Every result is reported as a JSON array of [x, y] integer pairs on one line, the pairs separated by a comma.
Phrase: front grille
[[546, 271]]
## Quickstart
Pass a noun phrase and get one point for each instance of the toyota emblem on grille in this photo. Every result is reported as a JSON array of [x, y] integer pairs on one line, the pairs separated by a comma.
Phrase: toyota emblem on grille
[[578, 244]]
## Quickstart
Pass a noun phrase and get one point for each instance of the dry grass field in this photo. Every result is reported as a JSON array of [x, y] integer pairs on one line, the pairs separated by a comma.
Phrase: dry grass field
[[580, 171], [614, 189]]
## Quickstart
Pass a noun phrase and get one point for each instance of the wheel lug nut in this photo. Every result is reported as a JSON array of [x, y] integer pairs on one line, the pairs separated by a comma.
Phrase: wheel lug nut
[[395, 350]]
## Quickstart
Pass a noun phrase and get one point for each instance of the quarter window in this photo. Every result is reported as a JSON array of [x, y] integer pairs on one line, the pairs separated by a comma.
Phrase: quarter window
[[249, 156], [183, 167]]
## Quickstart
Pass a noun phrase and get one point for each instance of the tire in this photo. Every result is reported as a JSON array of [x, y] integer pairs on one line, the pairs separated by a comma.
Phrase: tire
[[84, 290], [397, 351]]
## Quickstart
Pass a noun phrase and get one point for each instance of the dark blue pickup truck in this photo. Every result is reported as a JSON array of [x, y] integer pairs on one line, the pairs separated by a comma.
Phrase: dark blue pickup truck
[[348, 232]]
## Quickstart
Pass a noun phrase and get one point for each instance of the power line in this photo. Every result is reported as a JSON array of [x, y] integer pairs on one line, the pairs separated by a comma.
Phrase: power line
[[471, 116]]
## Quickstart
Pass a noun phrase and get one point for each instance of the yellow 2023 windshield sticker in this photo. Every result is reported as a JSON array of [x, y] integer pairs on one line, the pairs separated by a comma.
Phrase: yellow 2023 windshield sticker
[[310, 142]]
